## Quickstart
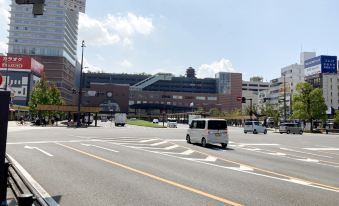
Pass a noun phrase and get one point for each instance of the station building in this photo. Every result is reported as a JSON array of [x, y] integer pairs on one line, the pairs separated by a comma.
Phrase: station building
[[163, 92]]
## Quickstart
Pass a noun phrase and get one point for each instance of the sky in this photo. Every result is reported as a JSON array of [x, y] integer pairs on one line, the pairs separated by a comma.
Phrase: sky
[[256, 38]]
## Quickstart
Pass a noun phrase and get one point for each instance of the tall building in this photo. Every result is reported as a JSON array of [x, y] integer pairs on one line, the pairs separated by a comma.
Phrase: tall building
[[322, 72], [51, 39], [254, 89]]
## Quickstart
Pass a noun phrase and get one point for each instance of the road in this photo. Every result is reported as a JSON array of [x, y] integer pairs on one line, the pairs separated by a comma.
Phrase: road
[[145, 166]]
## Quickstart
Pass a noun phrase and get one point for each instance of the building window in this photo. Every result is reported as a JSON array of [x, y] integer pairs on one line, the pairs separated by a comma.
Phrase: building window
[[212, 98], [200, 98], [177, 97]]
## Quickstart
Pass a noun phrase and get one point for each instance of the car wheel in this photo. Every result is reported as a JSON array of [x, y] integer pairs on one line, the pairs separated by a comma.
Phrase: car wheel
[[188, 139], [288, 131], [203, 142], [301, 132], [245, 132], [265, 131], [254, 131], [223, 145], [281, 132]]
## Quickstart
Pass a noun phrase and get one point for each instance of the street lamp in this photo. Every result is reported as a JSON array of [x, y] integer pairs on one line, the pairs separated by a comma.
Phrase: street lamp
[[6, 82], [80, 85]]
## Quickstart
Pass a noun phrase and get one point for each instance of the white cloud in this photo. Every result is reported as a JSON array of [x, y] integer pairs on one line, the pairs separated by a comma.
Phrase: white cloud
[[126, 64], [209, 70], [90, 67], [113, 29]]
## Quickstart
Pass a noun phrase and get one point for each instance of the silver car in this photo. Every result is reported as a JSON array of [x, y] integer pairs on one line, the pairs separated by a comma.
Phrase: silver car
[[290, 128]]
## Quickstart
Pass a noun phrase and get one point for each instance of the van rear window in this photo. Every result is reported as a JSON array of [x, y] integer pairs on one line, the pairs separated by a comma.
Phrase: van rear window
[[217, 125]]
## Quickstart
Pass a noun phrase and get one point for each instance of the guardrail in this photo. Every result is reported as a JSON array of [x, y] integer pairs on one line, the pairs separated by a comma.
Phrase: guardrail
[[23, 191]]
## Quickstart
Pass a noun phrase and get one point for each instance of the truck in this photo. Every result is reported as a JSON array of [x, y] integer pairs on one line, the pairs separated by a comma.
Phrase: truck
[[120, 119]]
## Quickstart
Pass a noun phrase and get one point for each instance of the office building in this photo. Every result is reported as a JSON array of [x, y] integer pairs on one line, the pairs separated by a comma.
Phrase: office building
[[322, 72], [255, 89]]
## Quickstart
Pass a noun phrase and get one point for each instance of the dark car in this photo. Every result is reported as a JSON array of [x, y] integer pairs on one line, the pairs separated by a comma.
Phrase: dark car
[[290, 128]]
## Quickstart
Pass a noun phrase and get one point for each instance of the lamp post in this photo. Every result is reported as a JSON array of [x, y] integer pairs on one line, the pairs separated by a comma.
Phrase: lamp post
[[6, 82], [80, 86]]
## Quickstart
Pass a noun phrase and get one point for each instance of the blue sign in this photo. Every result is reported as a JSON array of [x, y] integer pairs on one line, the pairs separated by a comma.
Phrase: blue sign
[[321, 64]]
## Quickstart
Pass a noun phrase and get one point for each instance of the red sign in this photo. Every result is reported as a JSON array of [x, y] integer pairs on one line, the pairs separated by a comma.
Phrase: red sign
[[21, 62]]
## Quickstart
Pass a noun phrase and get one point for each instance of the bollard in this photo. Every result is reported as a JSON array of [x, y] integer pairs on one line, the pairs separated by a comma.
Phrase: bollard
[[25, 200]]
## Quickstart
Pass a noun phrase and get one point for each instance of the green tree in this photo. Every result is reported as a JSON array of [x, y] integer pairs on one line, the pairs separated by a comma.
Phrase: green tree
[[273, 112], [308, 104], [215, 112], [336, 117], [44, 93]]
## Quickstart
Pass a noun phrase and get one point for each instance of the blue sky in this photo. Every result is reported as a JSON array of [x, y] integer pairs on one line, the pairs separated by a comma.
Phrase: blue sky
[[253, 37]]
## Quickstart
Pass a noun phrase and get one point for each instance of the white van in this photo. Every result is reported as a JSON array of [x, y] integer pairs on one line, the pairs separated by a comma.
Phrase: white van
[[254, 127], [208, 131]]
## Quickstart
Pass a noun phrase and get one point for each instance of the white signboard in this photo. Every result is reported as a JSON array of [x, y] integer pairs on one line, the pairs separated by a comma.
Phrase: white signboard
[[316, 69], [74, 5]]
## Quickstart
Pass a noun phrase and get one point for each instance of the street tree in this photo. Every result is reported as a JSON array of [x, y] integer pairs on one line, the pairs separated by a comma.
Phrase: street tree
[[336, 117], [215, 112], [44, 93], [308, 104], [272, 111]]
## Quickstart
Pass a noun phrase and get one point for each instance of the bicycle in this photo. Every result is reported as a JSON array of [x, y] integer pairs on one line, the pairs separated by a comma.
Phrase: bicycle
[[22, 123]]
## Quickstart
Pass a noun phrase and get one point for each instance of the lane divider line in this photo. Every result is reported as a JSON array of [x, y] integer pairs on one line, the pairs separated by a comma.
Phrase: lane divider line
[[175, 184]]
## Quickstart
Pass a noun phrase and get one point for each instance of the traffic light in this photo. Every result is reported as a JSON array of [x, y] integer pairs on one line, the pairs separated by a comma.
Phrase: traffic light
[[38, 5], [243, 100]]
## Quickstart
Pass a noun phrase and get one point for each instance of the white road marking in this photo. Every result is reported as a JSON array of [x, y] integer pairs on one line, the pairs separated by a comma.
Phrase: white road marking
[[299, 182], [156, 148], [287, 149], [323, 149], [243, 170], [187, 152], [277, 154], [263, 144], [159, 143], [148, 140], [309, 160], [207, 159], [176, 140], [42, 192], [44, 152], [104, 148]]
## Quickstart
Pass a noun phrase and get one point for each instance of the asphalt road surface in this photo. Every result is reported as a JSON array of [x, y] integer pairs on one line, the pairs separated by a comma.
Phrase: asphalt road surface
[[144, 166]]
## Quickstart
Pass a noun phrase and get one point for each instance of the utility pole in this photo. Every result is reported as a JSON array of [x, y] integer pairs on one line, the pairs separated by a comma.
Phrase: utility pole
[[6, 82], [80, 86]]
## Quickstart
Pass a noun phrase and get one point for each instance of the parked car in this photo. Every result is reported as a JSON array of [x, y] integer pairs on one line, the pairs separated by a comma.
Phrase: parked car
[[155, 121], [254, 127], [172, 123], [288, 128], [208, 131]]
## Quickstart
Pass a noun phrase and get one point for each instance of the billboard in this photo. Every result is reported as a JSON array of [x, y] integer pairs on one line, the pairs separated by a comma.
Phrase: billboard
[[21, 62], [321, 64]]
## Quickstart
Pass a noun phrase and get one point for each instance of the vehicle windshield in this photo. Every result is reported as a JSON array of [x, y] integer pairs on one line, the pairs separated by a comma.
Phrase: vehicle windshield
[[217, 125]]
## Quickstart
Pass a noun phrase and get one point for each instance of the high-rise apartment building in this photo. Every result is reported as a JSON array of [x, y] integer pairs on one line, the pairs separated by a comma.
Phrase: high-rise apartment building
[[50, 38]]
